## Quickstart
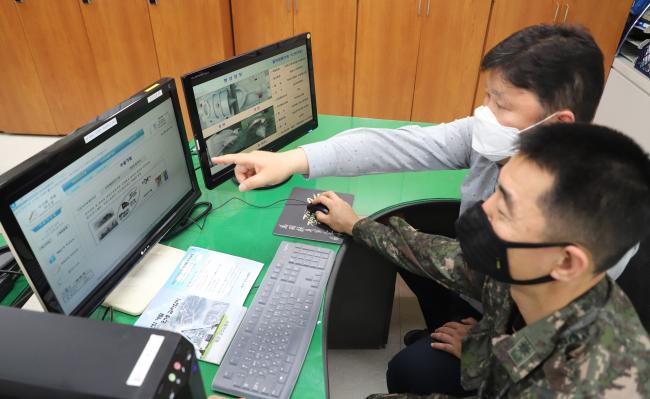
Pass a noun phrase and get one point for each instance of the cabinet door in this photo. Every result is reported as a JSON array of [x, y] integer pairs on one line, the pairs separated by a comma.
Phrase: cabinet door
[[388, 33], [189, 35], [605, 20], [64, 61], [449, 58], [23, 107], [333, 27], [122, 44], [509, 16], [257, 23]]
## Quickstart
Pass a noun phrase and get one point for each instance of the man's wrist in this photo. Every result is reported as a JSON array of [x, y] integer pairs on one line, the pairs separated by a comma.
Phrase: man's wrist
[[350, 229], [297, 160]]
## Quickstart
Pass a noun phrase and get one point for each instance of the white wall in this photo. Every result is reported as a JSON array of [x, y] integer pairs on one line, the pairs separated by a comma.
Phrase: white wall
[[625, 104]]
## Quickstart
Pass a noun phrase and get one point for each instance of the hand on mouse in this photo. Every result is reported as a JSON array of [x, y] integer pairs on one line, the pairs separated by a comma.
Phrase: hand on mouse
[[341, 217]]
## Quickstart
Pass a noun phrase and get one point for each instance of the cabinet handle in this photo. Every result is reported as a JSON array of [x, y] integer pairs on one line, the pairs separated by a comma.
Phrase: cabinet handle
[[85, 1], [289, 6], [20, 1], [419, 7], [557, 10], [566, 13], [428, 7], [153, 2], [296, 9]]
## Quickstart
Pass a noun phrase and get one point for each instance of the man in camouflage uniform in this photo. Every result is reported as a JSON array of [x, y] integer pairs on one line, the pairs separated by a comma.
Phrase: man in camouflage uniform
[[570, 204]]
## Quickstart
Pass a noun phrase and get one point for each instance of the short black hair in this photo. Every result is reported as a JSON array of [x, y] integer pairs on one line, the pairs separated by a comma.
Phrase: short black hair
[[561, 64], [601, 190]]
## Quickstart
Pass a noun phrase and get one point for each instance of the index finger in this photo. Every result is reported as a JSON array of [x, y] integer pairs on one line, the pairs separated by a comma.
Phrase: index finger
[[327, 201], [230, 158], [329, 195]]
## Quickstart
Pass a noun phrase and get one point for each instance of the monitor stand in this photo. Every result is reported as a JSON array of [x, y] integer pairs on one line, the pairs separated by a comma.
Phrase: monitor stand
[[142, 283], [234, 180]]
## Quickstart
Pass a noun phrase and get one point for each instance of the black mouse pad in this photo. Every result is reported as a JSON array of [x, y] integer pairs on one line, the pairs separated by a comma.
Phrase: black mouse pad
[[297, 221]]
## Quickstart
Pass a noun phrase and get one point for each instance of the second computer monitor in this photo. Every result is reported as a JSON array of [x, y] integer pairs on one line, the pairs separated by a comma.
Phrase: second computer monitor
[[259, 100]]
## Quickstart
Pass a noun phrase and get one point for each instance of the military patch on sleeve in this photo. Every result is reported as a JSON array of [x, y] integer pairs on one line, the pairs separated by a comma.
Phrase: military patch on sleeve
[[521, 352]]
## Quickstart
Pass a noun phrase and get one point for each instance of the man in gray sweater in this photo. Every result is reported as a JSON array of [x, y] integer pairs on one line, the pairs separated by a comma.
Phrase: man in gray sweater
[[541, 74]]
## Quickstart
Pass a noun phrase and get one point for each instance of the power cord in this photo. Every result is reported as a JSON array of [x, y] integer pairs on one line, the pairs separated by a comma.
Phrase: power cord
[[22, 298], [11, 272], [188, 220], [108, 310]]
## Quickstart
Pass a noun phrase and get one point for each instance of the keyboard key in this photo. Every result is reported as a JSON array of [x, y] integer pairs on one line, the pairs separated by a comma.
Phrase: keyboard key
[[266, 353], [239, 380], [276, 391]]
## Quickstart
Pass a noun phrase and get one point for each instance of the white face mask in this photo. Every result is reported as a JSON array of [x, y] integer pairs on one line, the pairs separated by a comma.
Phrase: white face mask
[[493, 140]]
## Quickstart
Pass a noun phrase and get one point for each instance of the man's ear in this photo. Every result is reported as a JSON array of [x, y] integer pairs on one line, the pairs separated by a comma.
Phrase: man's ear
[[574, 264], [565, 116]]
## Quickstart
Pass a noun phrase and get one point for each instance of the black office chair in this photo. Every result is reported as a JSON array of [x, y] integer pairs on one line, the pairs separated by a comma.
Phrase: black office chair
[[360, 295], [635, 281]]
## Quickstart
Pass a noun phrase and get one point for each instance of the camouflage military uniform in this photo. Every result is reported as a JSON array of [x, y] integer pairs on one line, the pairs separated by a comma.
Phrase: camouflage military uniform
[[594, 347]]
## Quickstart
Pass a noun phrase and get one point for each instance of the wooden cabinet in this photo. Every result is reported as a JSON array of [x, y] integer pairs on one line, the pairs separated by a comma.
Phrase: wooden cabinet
[[604, 19], [418, 60], [333, 27], [29, 112], [509, 16], [190, 34], [78, 58], [257, 23], [122, 46], [64, 61], [388, 35], [449, 59], [332, 24]]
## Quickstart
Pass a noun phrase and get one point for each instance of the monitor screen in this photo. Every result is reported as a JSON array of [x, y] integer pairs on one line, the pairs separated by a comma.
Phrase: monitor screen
[[260, 100], [113, 189]]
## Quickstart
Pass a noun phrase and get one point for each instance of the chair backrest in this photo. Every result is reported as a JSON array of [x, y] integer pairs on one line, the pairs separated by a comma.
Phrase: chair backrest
[[360, 294], [635, 282]]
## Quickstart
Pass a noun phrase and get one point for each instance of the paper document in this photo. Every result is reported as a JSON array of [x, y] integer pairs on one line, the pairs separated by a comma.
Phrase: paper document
[[203, 300]]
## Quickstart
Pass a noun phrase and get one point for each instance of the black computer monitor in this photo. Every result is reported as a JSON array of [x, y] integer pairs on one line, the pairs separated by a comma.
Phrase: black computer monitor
[[260, 100], [81, 214]]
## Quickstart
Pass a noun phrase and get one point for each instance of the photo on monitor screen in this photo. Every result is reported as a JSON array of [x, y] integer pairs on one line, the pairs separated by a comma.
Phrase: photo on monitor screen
[[83, 212], [261, 100]]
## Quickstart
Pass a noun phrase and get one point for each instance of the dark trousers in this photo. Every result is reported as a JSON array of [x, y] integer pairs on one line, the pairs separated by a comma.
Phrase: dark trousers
[[438, 304], [419, 368]]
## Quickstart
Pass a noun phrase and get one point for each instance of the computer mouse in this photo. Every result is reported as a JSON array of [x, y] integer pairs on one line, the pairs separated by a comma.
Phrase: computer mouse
[[313, 208]]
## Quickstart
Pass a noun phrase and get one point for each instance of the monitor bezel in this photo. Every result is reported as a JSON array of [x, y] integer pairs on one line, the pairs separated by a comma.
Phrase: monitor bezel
[[29, 174], [190, 80]]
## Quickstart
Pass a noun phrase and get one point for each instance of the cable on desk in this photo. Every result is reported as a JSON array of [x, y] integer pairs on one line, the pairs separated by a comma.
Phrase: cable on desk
[[108, 309], [22, 298], [188, 220], [11, 272], [258, 206]]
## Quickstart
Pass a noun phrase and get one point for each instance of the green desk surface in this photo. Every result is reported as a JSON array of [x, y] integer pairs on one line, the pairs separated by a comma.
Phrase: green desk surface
[[242, 230]]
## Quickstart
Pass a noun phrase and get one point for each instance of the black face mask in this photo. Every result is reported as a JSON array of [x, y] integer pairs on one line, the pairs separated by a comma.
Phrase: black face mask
[[485, 252]]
